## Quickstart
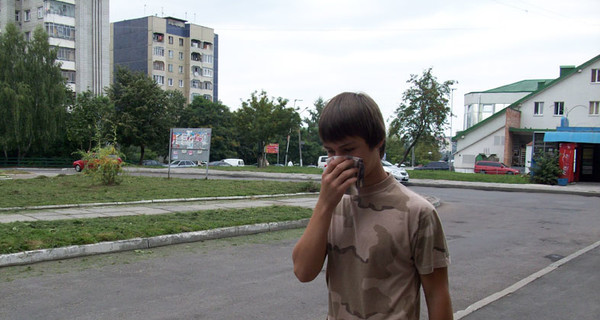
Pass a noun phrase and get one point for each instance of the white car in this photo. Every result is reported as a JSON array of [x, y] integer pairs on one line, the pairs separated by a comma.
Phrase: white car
[[183, 164], [399, 173], [322, 162]]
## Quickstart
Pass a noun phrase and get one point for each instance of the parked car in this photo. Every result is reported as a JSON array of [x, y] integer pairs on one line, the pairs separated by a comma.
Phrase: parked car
[[435, 165], [182, 164], [234, 162], [493, 167], [218, 164], [322, 162], [151, 163], [79, 165], [399, 173]]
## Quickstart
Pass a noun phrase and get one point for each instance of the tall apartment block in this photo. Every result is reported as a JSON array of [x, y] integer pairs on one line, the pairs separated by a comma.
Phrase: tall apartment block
[[79, 29], [176, 54]]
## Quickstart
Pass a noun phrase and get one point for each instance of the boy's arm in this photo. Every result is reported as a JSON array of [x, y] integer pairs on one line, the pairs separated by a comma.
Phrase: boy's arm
[[310, 251], [437, 294]]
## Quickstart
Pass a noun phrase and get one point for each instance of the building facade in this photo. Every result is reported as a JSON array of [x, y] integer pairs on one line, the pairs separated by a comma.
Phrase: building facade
[[176, 54], [78, 29], [514, 134]]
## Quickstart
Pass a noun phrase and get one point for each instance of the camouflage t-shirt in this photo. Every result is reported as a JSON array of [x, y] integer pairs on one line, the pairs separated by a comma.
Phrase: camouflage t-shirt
[[378, 244]]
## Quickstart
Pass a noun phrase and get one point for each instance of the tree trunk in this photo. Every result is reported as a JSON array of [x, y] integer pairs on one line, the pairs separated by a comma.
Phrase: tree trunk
[[142, 152]]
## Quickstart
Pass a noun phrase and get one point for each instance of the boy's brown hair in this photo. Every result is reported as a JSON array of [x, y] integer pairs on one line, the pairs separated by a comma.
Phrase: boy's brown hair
[[352, 114]]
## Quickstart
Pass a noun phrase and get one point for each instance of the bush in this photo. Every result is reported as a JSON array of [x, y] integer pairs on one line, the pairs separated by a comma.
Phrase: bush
[[546, 169], [103, 165]]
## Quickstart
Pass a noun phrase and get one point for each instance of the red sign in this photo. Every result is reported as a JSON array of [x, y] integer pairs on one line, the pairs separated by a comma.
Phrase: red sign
[[272, 148]]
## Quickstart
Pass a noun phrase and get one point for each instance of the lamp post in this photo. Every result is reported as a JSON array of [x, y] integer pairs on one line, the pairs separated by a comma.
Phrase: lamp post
[[451, 116], [299, 135]]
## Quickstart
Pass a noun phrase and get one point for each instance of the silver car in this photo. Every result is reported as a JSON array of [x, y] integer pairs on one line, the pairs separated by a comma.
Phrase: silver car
[[399, 173]]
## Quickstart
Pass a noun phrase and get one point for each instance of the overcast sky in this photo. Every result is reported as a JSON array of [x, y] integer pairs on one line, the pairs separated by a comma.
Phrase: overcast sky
[[317, 48]]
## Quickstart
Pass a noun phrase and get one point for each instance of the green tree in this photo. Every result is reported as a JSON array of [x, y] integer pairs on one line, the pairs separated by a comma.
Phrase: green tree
[[423, 111], [203, 113], [262, 120], [90, 122], [312, 148], [547, 168], [32, 93], [144, 113]]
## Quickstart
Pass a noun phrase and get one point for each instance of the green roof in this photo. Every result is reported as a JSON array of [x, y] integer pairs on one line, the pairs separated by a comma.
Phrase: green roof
[[520, 86]]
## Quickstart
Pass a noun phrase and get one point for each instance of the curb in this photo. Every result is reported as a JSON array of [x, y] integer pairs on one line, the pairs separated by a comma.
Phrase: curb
[[124, 203], [34, 256], [502, 187]]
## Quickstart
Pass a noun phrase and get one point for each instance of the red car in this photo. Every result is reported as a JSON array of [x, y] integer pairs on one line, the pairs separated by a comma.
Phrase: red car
[[80, 164], [494, 167]]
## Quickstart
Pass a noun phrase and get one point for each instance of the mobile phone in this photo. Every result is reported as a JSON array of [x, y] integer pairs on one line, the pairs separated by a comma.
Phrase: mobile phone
[[359, 164]]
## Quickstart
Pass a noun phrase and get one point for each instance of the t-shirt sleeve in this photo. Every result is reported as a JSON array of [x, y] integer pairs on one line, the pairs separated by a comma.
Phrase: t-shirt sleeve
[[429, 246]]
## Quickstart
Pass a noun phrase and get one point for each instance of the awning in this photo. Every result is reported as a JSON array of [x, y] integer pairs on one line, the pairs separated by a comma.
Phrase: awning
[[572, 136]]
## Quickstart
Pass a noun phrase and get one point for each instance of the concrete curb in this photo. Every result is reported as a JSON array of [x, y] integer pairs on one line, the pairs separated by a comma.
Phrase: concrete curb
[[34, 256], [124, 203], [504, 187]]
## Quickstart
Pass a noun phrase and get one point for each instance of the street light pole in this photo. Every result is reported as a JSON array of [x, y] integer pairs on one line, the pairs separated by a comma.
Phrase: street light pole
[[299, 137]]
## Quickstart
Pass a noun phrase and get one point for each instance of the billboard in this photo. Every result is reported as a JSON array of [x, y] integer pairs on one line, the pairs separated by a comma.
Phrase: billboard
[[190, 144]]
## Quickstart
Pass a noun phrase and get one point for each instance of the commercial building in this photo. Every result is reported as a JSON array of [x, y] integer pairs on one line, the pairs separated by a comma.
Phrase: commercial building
[[79, 29], [564, 110], [176, 54]]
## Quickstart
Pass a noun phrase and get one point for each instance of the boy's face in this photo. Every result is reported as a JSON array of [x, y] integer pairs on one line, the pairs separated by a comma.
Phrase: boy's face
[[356, 147]]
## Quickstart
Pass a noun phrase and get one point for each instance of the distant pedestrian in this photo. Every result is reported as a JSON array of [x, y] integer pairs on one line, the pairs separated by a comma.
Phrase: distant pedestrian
[[382, 241]]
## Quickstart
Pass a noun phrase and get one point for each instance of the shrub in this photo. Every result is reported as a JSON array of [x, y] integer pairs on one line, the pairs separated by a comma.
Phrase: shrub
[[103, 165], [546, 169]]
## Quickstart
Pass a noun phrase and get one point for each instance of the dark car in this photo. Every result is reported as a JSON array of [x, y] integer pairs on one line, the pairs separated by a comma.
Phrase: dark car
[[219, 164], [151, 163], [435, 165], [493, 167]]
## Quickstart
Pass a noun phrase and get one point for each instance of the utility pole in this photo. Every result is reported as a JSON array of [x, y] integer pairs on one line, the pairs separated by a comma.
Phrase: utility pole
[[299, 138]]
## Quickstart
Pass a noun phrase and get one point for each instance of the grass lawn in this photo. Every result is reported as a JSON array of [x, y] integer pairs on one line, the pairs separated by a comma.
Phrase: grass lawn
[[24, 236], [473, 177], [79, 188]]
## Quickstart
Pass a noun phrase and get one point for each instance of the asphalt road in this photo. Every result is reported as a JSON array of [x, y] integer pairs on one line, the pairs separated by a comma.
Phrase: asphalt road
[[496, 239]]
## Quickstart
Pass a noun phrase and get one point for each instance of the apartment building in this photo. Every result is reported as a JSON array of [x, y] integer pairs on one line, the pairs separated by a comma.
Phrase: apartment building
[[178, 55], [78, 29]]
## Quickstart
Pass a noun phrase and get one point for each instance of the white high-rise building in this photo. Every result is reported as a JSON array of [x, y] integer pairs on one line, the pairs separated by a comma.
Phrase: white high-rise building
[[80, 31]]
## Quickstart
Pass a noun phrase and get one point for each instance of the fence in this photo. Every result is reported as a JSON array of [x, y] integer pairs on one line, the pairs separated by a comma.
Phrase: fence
[[36, 162]]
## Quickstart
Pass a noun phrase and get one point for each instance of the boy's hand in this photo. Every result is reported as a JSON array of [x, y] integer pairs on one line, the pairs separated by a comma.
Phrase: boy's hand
[[337, 177]]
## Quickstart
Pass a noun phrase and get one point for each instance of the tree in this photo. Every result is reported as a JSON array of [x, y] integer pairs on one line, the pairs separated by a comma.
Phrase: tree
[[203, 113], [261, 120], [423, 111], [143, 111], [32, 93], [312, 148], [90, 122]]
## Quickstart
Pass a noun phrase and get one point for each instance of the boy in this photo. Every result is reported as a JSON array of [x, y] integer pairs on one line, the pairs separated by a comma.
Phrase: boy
[[381, 244]]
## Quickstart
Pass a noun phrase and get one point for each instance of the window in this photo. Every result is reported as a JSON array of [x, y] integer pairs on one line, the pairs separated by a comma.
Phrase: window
[[181, 42], [159, 79], [69, 75], [559, 108], [27, 36], [180, 55], [181, 83], [595, 75], [207, 72], [159, 51], [207, 58], [66, 54], [158, 37], [159, 65], [180, 69], [594, 108], [170, 82], [171, 54], [40, 12], [60, 31], [17, 16], [170, 39], [170, 67], [538, 108], [27, 15], [60, 8]]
